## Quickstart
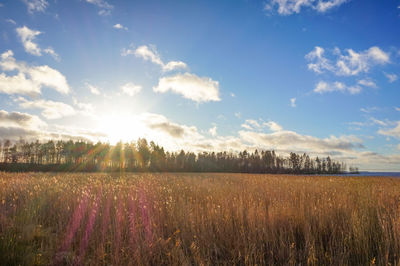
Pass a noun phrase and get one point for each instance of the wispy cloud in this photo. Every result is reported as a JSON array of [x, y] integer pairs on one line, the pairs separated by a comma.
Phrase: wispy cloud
[[273, 126], [131, 89], [50, 51], [367, 83], [252, 124], [369, 109], [28, 37], [29, 79], [391, 77], [36, 5], [325, 87], [93, 89], [391, 132], [379, 122], [372, 121], [149, 53], [11, 21], [289, 7], [349, 64], [104, 6], [190, 86]]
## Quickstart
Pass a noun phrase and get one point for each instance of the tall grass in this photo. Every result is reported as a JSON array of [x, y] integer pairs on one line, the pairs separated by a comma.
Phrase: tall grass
[[201, 219]]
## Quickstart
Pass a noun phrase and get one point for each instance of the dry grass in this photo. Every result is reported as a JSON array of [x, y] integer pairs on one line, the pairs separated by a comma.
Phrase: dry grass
[[201, 219]]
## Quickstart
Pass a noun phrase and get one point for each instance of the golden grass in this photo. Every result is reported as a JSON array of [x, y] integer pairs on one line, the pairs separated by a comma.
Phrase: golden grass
[[201, 219]]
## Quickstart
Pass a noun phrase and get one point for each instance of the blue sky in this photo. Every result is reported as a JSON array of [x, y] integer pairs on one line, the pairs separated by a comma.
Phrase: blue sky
[[315, 76]]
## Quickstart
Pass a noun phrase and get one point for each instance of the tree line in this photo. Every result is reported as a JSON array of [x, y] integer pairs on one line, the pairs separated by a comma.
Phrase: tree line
[[141, 155]]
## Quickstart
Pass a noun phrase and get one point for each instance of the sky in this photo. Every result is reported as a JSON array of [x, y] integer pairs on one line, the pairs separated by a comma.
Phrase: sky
[[314, 76]]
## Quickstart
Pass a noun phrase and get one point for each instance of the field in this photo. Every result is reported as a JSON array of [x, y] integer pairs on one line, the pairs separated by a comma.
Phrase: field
[[200, 219]]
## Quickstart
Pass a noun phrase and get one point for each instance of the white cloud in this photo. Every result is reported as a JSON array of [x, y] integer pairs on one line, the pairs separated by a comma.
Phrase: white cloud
[[213, 131], [324, 87], [246, 126], [190, 86], [289, 7], [172, 65], [252, 124], [50, 109], [27, 37], [397, 109], [350, 64], [148, 54], [151, 54], [393, 132], [273, 126], [324, 6], [104, 6], [391, 77], [18, 84], [119, 27], [49, 77], [131, 89], [29, 79], [293, 102], [320, 63], [86, 109], [36, 5], [94, 90]]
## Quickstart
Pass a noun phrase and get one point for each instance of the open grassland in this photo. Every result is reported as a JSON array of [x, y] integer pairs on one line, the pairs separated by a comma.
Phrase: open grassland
[[201, 219]]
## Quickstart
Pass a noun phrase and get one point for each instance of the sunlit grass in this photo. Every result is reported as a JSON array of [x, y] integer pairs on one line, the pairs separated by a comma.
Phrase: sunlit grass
[[102, 219]]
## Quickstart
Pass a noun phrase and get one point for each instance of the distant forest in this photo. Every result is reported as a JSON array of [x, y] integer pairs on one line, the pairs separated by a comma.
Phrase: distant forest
[[141, 156]]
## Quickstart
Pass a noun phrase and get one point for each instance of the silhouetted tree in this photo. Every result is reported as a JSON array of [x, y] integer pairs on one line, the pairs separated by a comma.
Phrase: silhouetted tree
[[140, 156]]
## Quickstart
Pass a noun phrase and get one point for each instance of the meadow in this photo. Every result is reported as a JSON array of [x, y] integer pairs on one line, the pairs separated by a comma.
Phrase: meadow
[[197, 219]]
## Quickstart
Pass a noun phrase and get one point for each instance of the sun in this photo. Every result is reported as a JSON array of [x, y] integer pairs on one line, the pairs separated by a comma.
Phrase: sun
[[120, 127]]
